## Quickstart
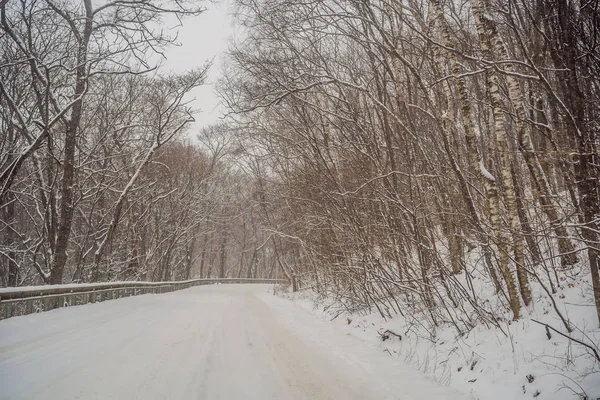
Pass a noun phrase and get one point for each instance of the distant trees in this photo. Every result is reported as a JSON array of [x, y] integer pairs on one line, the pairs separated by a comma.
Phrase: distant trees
[[95, 181], [401, 140]]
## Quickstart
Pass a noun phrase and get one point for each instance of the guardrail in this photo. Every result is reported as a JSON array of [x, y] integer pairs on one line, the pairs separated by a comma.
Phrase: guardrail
[[29, 300]]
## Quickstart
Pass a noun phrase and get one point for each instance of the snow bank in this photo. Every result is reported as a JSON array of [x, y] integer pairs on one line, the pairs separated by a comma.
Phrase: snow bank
[[516, 361]]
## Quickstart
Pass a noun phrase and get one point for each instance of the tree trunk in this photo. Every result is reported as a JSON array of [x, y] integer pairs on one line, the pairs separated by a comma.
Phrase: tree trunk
[[487, 28], [223, 255], [203, 255], [516, 239], [477, 164], [534, 249], [63, 233], [189, 257], [10, 241], [583, 133]]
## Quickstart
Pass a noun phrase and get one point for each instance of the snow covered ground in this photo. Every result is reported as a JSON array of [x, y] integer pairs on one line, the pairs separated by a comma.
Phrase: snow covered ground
[[518, 362], [210, 342]]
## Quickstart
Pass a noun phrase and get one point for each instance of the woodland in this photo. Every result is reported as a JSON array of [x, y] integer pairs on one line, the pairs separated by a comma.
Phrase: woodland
[[397, 156]]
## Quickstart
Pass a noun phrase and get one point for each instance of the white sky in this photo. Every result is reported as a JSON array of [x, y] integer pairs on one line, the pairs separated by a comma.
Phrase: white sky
[[203, 38]]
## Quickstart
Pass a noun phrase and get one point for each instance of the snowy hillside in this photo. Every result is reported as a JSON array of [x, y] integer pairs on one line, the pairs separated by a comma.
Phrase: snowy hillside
[[517, 360]]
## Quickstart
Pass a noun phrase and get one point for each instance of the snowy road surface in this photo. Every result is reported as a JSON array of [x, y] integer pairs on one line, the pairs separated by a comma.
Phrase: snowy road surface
[[211, 342]]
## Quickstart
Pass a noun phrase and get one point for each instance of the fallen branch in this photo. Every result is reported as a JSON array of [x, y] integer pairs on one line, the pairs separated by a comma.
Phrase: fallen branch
[[385, 335], [593, 349]]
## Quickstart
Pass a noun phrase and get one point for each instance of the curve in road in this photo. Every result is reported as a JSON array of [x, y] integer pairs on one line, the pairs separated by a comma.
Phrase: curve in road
[[217, 342]]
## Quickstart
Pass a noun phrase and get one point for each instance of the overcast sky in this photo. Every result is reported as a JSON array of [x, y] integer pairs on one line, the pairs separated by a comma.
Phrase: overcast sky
[[203, 38]]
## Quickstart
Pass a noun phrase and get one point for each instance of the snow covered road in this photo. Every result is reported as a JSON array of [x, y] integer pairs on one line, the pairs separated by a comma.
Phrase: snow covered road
[[208, 342]]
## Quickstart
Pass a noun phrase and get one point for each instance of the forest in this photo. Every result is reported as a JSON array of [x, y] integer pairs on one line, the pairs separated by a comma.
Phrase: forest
[[422, 157]]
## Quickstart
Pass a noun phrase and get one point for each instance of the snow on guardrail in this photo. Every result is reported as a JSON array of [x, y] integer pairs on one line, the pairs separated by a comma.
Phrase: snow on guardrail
[[34, 299]]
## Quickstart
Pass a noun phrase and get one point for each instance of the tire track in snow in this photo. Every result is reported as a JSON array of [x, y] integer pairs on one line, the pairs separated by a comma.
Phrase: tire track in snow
[[212, 342]]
